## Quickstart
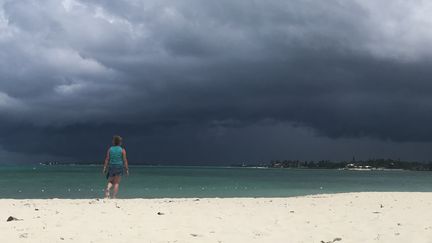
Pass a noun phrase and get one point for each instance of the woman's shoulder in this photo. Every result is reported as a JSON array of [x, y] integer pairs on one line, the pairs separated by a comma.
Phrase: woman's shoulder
[[114, 148]]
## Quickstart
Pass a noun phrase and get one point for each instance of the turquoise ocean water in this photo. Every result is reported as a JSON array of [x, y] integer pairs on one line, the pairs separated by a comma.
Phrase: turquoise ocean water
[[159, 182]]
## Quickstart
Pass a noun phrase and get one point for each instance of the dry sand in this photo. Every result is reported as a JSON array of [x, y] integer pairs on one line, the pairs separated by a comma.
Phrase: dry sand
[[350, 217]]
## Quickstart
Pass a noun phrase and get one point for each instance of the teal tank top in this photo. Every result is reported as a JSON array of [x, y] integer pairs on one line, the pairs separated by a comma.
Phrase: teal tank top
[[116, 156]]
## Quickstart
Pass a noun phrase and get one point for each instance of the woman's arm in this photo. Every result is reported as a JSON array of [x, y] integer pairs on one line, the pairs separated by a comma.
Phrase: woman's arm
[[106, 162], [126, 163]]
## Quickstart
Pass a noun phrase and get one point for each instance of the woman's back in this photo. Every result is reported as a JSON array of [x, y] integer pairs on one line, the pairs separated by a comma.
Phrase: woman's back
[[116, 156]]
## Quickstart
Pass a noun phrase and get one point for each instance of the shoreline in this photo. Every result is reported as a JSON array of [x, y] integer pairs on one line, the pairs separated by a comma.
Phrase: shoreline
[[341, 217], [211, 198]]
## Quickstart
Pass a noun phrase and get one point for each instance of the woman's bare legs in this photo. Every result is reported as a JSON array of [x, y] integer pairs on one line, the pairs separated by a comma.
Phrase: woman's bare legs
[[116, 182], [108, 188]]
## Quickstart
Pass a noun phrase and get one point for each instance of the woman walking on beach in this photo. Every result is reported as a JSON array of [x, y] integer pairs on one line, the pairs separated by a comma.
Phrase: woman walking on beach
[[116, 162]]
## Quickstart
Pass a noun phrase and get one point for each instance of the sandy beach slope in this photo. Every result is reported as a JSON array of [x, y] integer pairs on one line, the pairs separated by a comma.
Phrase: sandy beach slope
[[350, 217]]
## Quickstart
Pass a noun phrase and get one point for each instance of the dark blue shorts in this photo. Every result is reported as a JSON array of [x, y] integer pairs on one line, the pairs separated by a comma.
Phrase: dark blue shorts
[[114, 171]]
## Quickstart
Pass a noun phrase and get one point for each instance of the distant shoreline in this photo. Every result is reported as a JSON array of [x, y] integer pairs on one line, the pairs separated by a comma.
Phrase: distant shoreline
[[366, 165], [362, 168]]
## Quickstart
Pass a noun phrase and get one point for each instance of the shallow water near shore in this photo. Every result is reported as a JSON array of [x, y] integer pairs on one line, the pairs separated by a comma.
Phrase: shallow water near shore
[[163, 181]]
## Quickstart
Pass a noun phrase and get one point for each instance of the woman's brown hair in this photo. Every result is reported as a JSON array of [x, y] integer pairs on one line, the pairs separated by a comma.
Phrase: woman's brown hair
[[117, 140]]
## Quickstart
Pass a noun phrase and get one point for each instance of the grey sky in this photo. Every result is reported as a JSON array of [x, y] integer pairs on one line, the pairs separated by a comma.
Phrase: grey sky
[[215, 82]]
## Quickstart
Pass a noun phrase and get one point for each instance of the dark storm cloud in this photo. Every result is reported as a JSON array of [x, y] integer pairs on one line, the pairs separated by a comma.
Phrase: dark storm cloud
[[172, 75]]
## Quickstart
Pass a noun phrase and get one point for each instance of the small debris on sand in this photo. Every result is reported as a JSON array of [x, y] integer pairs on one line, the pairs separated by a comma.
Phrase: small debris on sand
[[159, 213], [332, 241], [11, 218]]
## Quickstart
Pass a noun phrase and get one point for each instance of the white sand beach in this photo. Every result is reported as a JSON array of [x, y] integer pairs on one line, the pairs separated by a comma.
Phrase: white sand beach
[[349, 217]]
